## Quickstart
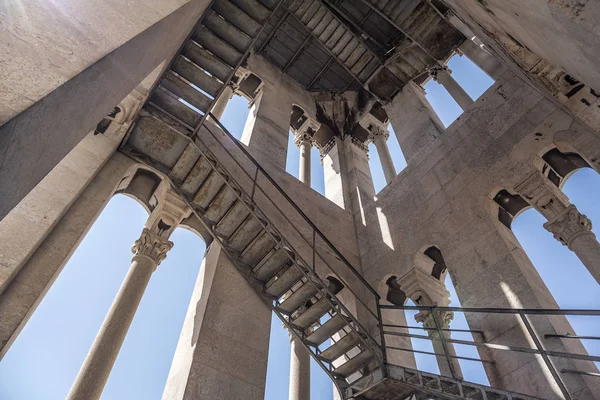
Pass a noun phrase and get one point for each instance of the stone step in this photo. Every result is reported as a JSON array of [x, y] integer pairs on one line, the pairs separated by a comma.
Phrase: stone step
[[245, 233], [257, 249], [217, 46], [184, 90], [254, 8], [298, 298], [271, 264], [209, 189], [221, 204], [232, 219], [284, 280], [207, 61], [327, 330], [196, 75], [227, 31], [237, 17], [170, 104], [355, 363], [340, 347], [312, 314], [196, 176]]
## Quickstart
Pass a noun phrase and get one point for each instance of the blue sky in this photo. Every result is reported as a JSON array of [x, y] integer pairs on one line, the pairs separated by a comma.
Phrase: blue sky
[[44, 360]]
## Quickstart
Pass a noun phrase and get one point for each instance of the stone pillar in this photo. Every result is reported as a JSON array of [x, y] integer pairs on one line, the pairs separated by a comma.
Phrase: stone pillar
[[303, 138], [24, 292], [219, 107], [488, 63], [565, 222], [57, 100], [444, 77], [333, 159], [267, 129], [149, 251], [415, 123], [425, 290], [224, 344], [379, 135], [299, 371]]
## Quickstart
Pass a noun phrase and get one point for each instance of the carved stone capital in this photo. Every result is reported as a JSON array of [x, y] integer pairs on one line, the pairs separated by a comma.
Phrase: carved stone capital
[[569, 225], [374, 126], [324, 150], [437, 71], [151, 245], [427, 318], [543, 195], [360, 145]]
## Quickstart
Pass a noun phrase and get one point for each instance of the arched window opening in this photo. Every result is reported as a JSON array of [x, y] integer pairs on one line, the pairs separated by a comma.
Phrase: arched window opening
[[467, 76], [303, 156], [67, 320], [439, 268], [510, 206], [565, 276], [559, 166]]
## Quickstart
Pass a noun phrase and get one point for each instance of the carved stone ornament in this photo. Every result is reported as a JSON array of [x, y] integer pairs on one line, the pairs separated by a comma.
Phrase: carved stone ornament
[[151, 245], [443, 317], [569, 225], [435, 72]]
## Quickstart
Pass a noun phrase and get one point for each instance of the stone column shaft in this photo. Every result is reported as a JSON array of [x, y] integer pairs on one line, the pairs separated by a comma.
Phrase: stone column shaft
[[574, 230], [488, 63], [99, 362], [305, 167], [219, 107], [444, 77], [389, 170], [299, 371], [448, 366], [149, 251]]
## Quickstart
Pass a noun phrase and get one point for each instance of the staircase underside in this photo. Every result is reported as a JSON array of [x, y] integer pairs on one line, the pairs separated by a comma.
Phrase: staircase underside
[[404, 383]]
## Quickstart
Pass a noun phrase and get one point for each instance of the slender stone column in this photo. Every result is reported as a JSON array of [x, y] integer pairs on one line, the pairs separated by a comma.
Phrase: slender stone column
[[149, 250], [574, 230], [303, 138], [379, 135], [565, 222], [485, 61], [425, 290], [443, 76], [299, 371], [219, 107]]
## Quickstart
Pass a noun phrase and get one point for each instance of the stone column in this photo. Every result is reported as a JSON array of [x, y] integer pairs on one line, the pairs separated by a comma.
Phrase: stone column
[[488, 63], [415, 123], [333, 159], [379, 135], [425, 290], [565, 222], [149, 251], [266, 132], [299, 371], [219, 107], [443, 76], [303, 138], [22, 294], [224, 343]]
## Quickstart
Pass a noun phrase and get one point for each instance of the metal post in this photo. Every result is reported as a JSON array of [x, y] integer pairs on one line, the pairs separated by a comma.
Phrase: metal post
[[382, 335], [544, 355]]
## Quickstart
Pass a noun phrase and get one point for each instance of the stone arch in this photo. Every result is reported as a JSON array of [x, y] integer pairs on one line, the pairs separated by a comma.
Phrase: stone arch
[[142, 184], [506, 206], [559, 166]]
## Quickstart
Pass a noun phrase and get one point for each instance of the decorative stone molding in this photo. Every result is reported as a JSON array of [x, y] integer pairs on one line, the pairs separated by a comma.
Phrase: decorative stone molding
[[443, 320], [151, 245], [569, 225], [435, 72], [168, 213], [324, 150], [538, 191], [360, 145], [306, 132], [374, 126]]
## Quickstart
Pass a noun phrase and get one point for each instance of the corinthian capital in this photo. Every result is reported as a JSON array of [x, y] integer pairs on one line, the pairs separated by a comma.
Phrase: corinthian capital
[[569, 225], [151, 245], [374, 126]]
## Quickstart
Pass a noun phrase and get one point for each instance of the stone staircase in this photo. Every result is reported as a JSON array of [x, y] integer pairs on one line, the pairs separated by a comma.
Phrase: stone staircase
[[336, 36], [208, 59]]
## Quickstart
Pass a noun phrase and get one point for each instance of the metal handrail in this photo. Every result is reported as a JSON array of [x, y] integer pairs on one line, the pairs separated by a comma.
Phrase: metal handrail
[[522, 314], [294, 205]]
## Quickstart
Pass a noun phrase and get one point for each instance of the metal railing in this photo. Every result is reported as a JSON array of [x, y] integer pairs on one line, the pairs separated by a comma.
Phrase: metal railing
[[523, 316]]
